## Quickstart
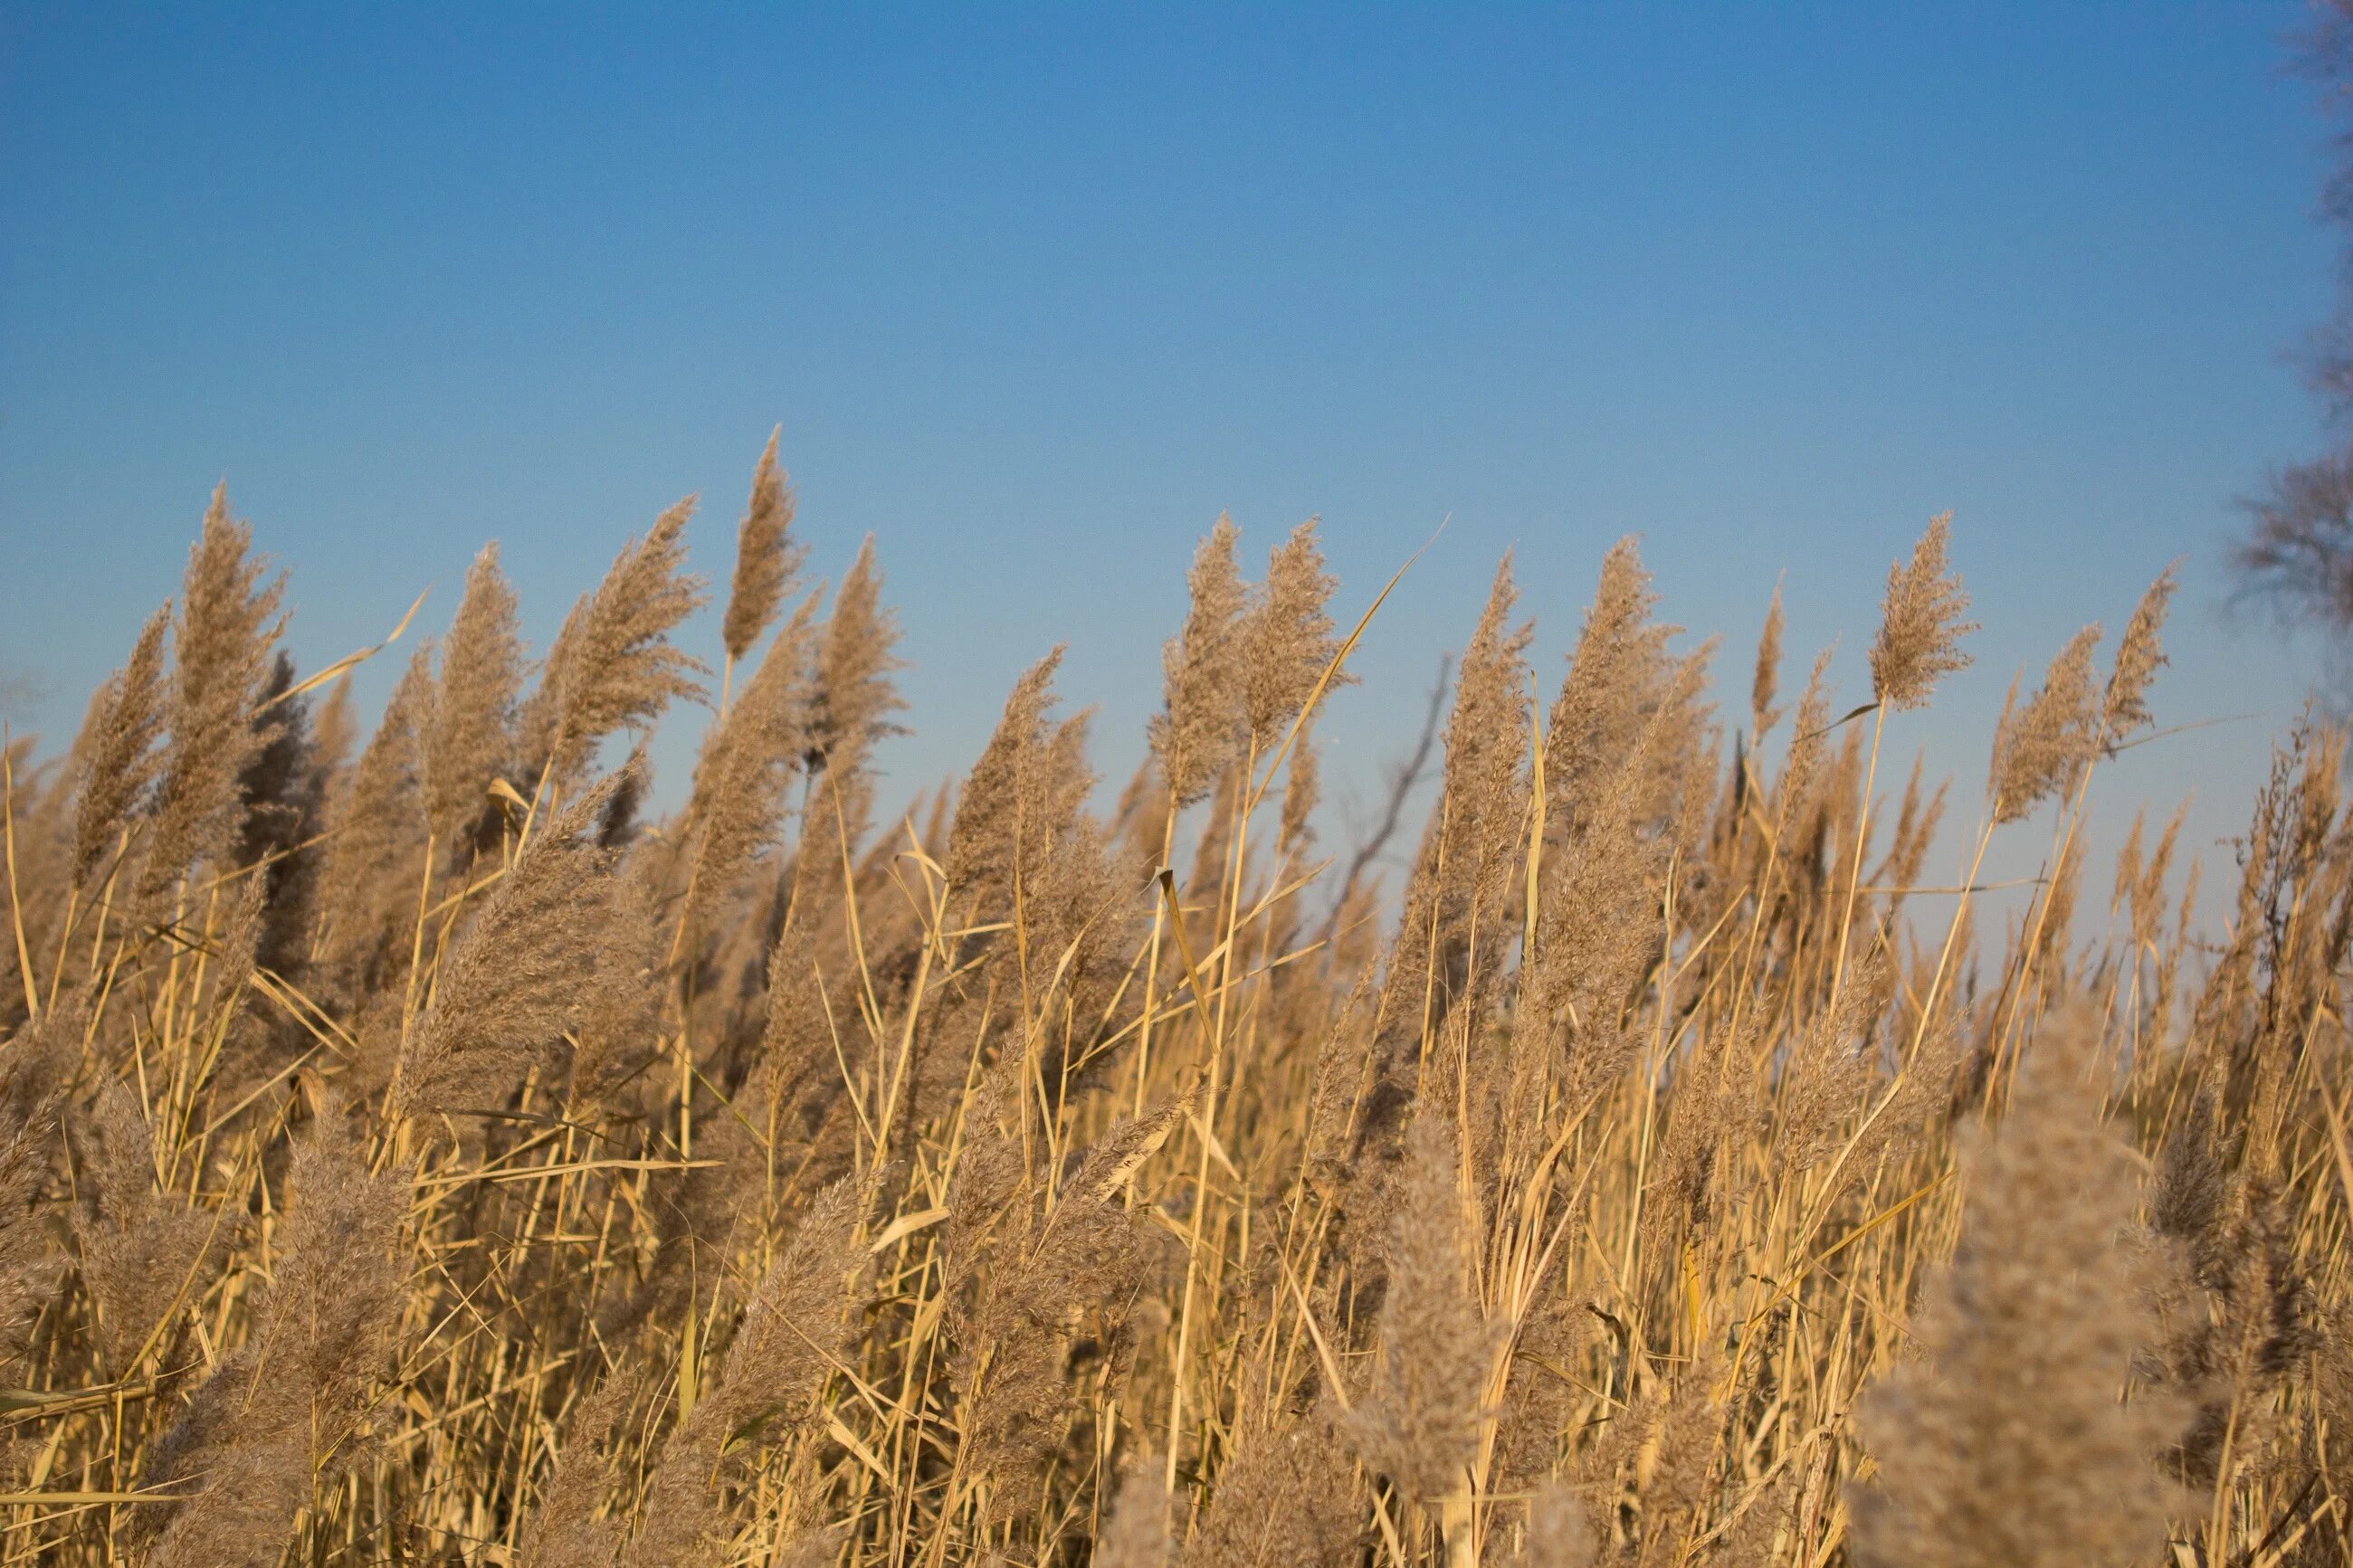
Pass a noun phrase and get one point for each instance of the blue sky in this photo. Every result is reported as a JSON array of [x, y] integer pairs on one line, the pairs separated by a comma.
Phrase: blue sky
[[1036, 291]]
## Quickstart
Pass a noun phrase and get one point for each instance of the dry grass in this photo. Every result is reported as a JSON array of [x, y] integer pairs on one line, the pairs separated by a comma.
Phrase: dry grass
[[415, 1157]]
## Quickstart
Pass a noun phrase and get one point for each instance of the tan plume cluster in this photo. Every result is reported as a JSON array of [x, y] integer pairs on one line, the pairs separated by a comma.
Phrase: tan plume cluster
[[1616, 1139], [766, 559], [1920, 624], [1421, 1424], [120, 764], [289, 1407], [1765, 685], [1284, 640], [2038, 748], [228, 619], [2014, 1443], [520, 974], [1193, 737], [468, 743], [612, 664]]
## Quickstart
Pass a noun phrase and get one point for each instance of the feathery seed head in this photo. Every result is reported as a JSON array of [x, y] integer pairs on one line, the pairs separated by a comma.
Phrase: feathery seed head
[[749, 757], [228, 619], [2010, 1446], [467, 741], [375, 855], [1285, 640], [1135, 1532], [850, 708], [1420, 1424], [1801, 770], [1560, 1536], [520, 974], [2139, 655], [1195, 734], [1000, 802], [613, 665], [1920, 625], [121, 764], [1302, 787], [1767, 683], [855, 696], [2038, 749], [766, 559]]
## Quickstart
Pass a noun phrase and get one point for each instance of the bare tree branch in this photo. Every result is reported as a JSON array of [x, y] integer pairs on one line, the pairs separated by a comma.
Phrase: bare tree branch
[[2298, 555], [1404, 778]]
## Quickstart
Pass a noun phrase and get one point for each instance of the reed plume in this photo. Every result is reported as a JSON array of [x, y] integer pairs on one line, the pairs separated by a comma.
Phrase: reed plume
[[229, 620], [1135, 1532], [120, 765], [1084, 1254], [1285, 1496], [1458, 898], [854, 697], [332, 732], [1002, 800], [1765, 685], [737, 807], [1195, 735], [1420, 1422], [766, 559], [147, 1254], [1558, 1534], [2038, 749], [1920, 624], [790, 1340], [467, 741], [2010, 1443], [287, 1411], [35, 1066], [1284, 641], [1610, 691], [520, 974], [2140, 654], [285, 815], [375, 858], [564, 1529], [1303, 792], [612, 665]]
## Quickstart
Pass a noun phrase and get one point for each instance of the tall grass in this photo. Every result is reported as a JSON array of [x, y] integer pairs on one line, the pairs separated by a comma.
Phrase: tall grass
[[408, 1154]]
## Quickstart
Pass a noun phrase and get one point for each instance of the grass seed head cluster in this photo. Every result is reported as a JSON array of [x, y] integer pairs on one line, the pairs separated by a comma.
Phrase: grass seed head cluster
[[409, 1153]]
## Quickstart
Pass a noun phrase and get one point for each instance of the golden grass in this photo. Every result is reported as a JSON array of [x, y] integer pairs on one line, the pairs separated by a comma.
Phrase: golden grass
[[413, 1157]]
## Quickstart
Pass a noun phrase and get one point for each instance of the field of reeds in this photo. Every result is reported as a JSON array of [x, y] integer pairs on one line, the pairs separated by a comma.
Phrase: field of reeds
[[410, 1152]]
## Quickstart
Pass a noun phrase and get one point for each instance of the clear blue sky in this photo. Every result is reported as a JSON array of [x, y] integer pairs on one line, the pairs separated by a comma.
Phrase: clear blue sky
[[1036, 291]]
